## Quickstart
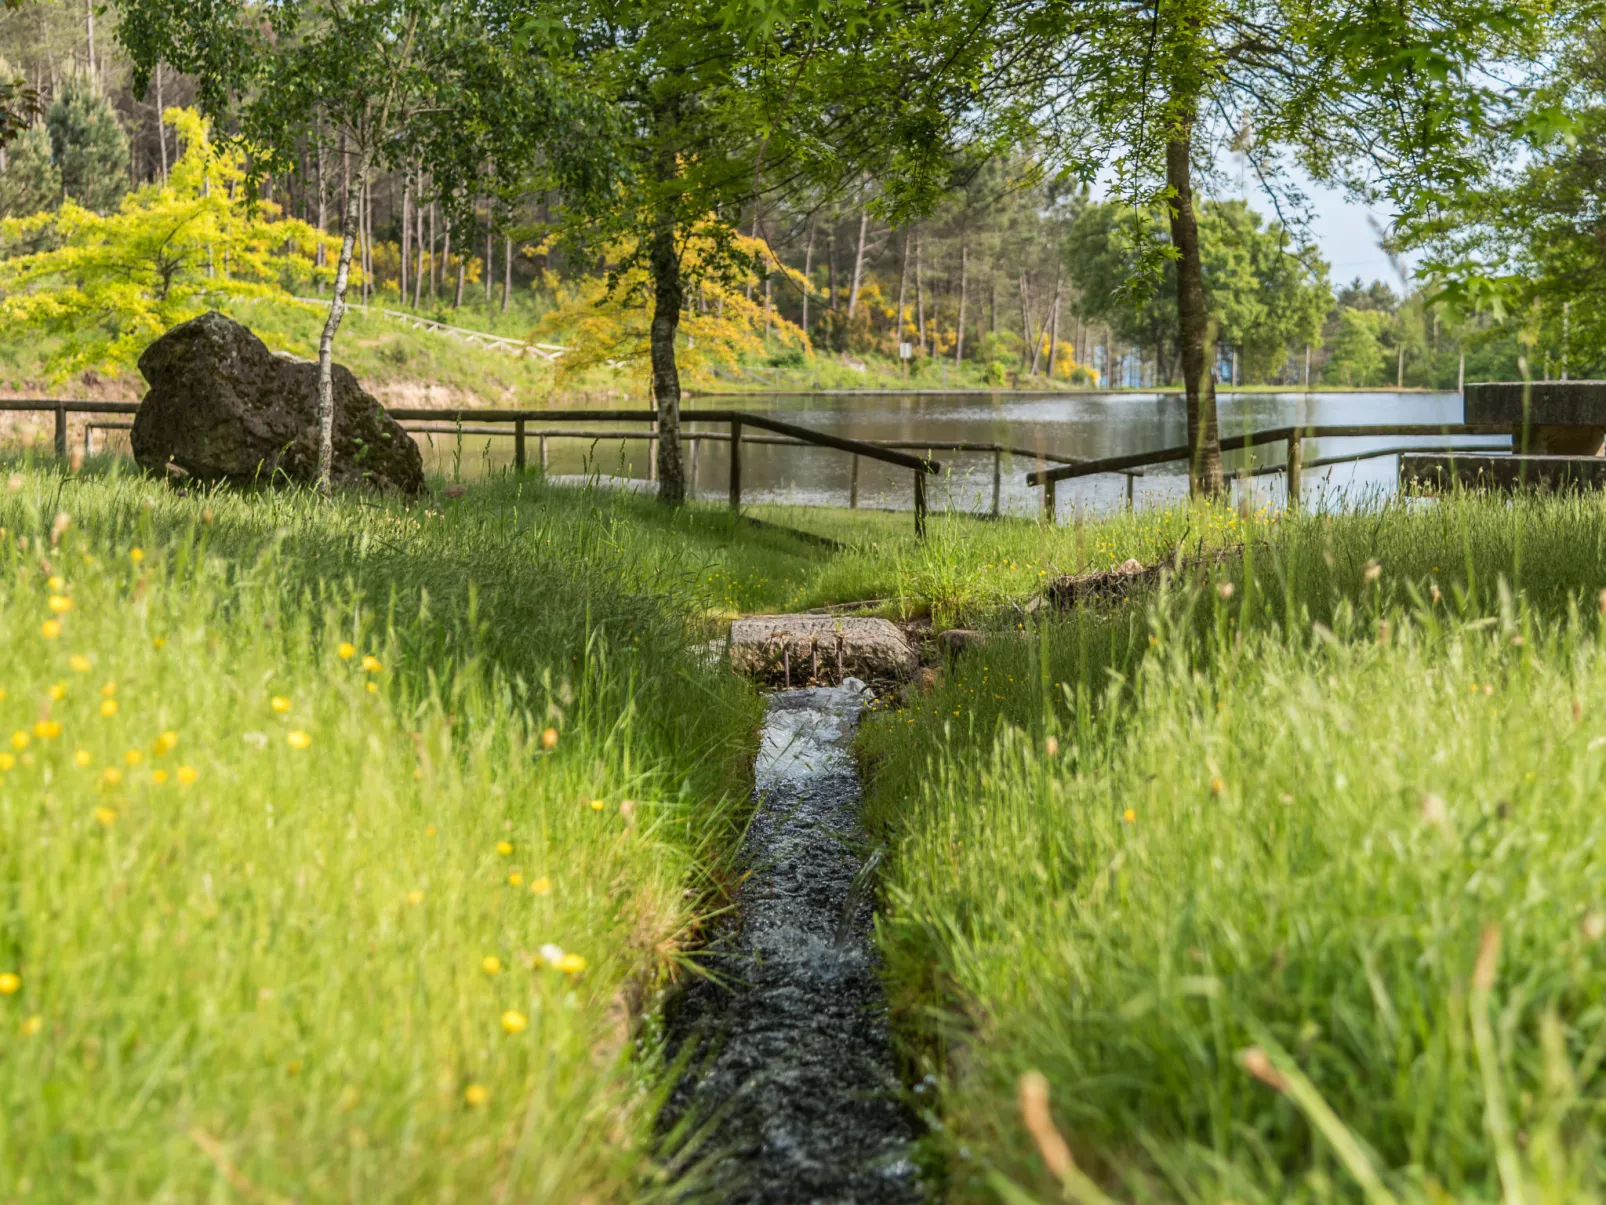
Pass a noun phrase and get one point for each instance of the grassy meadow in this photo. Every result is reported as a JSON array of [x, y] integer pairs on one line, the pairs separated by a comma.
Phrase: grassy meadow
[[1284, 885], [344, 848]]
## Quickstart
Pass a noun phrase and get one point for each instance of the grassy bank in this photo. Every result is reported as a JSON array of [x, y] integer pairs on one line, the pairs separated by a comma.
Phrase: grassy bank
[[1291, 891], [343, 846]]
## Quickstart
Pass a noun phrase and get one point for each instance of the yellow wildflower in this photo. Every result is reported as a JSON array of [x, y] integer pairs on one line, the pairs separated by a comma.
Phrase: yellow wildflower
[[165, 743], [505, 848], [50, 629], [571, 964], [1130, 816], [79, 663], [514, 1022], [492, 964], [597, 805], [59, 604], [515, 879], [371, 664], [475, 1095], [347, 650], [159, 642], [133, 757], [549, 738], [47, 730], [10, 982], [415, 897], [19, 739], [373, 688], [541, 886], [57, 691], [298, 739], [32, 1025], [111, 776], [158, 777], [55, 583], [106, 816], [108, 707], [136, 555], [108, 689], [279, 703], [81, 758], [186, 775]]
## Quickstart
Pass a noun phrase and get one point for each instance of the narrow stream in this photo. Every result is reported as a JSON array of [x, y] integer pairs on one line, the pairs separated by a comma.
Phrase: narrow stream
[[792, 1080]]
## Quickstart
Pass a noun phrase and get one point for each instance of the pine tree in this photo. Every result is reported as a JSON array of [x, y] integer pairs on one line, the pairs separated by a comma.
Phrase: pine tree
[[88, 145], [30, 182]]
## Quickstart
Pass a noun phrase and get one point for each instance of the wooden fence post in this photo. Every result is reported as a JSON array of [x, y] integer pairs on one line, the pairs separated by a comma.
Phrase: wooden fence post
[[543, 453], [518, 445], [920, 504], [696, 452], [1296, 467], [652, 451], [998, 475], [1130, 478], [61, 433], [736, 464], [1048, 500], [853, 485]]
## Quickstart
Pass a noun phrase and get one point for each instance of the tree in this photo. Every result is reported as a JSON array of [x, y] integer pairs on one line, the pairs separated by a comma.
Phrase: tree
[[1391, 100], [443, 86], [88, 145], [1357, 351], [109, 284], [31, 181]]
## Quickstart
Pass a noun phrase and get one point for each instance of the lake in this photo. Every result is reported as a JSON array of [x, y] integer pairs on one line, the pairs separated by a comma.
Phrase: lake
[[1068, 424]]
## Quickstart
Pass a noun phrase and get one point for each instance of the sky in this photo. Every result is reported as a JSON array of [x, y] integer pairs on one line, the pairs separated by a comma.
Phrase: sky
[[1347, 240]]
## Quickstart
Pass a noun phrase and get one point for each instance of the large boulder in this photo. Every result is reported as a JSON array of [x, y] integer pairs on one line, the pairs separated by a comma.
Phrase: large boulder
[[222, 407]]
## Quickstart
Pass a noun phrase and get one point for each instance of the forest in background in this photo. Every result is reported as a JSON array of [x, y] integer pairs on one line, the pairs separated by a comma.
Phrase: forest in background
[[1013, 279]]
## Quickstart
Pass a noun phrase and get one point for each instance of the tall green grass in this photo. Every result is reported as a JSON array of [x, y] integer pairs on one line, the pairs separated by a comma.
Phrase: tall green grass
[[1219, 865], [278, 922]]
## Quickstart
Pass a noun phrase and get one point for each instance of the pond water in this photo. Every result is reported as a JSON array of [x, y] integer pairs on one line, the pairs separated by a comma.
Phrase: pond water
[[1068, 424]]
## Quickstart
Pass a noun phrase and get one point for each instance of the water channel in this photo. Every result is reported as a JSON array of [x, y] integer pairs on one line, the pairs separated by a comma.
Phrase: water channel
[[1069, 424]]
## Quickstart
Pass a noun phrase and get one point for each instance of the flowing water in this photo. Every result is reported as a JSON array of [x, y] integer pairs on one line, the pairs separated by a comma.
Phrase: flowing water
[[791, 1085], [1069, 424]]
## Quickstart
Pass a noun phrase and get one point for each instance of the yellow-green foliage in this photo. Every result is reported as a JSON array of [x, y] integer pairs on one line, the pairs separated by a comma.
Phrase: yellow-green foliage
[[609, 327], [298, 898], [106, 286]]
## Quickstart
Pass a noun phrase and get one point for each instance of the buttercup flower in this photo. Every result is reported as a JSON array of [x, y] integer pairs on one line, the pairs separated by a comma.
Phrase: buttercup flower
[[108, 689], [279, 703], [108, 707], [79, 663], [549, 739], [165, 743], [415, 897], [475, 1095], [81, 758], [492, 964], [158, 777], [514, 1022], [106, 816], [371, 664], [515, 879], [186, 775], [111, 776], [505, 848], [10, 982], [50, 629], [19, 739], [136, 555], [32, 1025], [571, 964], [133, 757], [298, 739], [59, 604], [57, 692], [347, 650], [541, 886], [47, 730], [7, 761]]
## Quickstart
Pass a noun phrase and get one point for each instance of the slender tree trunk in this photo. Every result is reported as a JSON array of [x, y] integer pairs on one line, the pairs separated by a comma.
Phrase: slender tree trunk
[[89, 29], [808, 272], [1029, 336], [903, 287], [337, 310], [1054, 330], [462, 278], [1037, 343], [507, 271], [418, 240], [488, 262], [446, 255], [830, 266], [1193, 320], [959, 326], [161, 126], [434, 260], [406, 237], [858, 263], [920, 298], [667, 298]]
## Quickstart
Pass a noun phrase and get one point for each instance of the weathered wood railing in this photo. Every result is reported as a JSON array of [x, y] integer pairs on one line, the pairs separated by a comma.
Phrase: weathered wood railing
[[1294, 464]]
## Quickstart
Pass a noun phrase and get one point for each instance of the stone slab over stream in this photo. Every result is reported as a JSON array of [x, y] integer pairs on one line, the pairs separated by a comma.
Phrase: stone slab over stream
[[796, 648], [792, 1070]]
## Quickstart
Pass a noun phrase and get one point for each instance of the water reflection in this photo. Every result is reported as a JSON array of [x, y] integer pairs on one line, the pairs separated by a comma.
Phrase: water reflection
[[1078, 424]]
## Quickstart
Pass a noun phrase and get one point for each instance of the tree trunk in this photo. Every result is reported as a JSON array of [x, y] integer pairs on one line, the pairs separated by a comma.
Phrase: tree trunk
[[406, 239], [1029, 337], [462, 277], [161, 128], [830, 266], [434, 261], [920, 298], [418, 239], [507, 271], [903, 288], [858, 263], [1054, 330], [488, 252], [808, 273], [337, 311], [89, 23], [1193, 321], [446, 256], [959, 326], [668, 294]]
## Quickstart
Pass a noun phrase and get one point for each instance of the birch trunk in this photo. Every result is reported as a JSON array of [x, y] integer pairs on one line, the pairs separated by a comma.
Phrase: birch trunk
[[337, 311], [858, 263], [808, 273], [507, 271], [903, 286], [959, 326], [920, 298]]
